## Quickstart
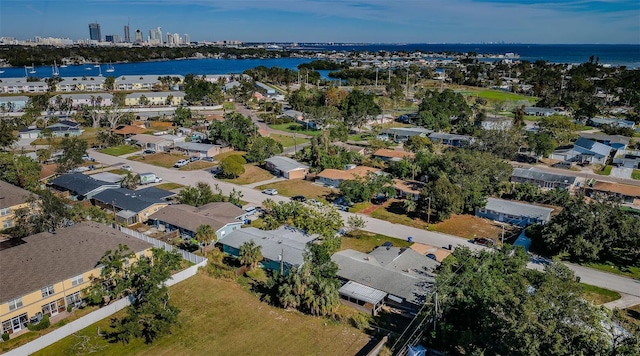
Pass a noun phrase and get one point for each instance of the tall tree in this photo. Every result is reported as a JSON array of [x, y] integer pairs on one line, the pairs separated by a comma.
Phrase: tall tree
[[250, 254], [73, 148], [261, 148], [357, 107], [204, 235], [7, 135]]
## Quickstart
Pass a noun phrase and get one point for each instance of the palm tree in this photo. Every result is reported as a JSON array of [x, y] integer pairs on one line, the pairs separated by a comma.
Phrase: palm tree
[[250, 254], [130, 181], [205, 234]]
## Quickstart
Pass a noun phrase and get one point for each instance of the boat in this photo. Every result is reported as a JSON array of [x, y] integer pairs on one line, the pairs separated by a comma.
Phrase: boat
[[63, 65], [33, 69], [54, 69], [88, 68], [97, 65], [1, 71], [110, 68]]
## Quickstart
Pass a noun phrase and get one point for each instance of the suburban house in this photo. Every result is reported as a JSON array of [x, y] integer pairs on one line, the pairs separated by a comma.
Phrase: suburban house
[[400, 277], [265, 89], [12, 198], [351, 148], [156, 143], [223, 217], [584, 150], [108, 177], [535, 111], [78, 186], [599, 121], [627, 158], [285, 245], [286, 167], [514, 213], [387, 155], [200, 149], [629, 194], [132, 206], [127, 131], [407, 189], [616, 142], [63, 128], [403, 133], [333, 177], [450, 139], [294, 115], [497, 123], [47, 273], [542, 179]]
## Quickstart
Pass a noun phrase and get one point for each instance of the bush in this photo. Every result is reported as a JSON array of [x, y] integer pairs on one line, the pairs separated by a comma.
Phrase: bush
[[5, 337], [360, 321], [43, 324], [231, 166], [69, 308]]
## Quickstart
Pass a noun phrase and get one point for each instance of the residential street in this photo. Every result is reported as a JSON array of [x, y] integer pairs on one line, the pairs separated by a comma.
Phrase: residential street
[[255, 197]]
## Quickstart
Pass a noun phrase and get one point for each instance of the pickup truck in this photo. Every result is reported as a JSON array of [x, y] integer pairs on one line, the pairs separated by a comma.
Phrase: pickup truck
[[181, 163]]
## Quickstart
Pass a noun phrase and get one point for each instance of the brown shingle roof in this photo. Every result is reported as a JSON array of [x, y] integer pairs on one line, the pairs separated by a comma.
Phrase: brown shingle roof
[[624, 189], [46, 258], [350, 174], [11, 195], [408, 186], [128, 130], [383, 152], [189, 217]]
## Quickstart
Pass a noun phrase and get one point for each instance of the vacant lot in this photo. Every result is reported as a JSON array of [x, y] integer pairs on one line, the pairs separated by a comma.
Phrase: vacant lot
[[468, 226], [222, 156], [219, 318], [169, 186], [252, 174], [295, 187], [497, 95], [287, 141], [635, 174], [392, 211], [194, 166], [119, 150], [365, 241], [165, 160], [295, 127]]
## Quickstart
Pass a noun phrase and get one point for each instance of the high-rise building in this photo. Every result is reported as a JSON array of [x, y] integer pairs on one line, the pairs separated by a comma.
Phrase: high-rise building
[[187, 39], [127, 34], [138, 36], [109, 38], [94, 32], [155, 36]]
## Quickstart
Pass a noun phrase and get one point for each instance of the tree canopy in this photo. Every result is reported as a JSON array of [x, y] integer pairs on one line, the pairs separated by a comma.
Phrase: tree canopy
[[235, 130]]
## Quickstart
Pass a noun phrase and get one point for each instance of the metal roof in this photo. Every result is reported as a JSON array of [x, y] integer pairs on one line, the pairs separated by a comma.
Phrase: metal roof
[[273, 243], [361, 292], [194, 146], [597, 148], [518, 209], [534, 174], [286, 164]]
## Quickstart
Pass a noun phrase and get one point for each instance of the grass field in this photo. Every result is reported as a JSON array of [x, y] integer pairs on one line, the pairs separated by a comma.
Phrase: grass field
[[228, 106], [393, 212], [295, 187], [119, 150], [365, 241], [169, 186], [358, 207], [599, 295], [252, 174], [497, 95], [468, 226], [294, 127], [287, 141], [197, 165], [165, 160], [222, 156], [635, 174], [218, 317], [605, 171]]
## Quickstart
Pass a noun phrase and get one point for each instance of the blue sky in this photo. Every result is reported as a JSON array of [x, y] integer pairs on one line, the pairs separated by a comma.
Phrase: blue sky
[[387, 21]]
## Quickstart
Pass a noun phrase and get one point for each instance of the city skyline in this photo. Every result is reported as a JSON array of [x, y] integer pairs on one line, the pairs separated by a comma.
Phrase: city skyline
[[429, 21]]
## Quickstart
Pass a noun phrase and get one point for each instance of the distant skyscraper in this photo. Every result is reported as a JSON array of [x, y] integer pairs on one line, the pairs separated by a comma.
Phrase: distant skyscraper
[[109, 38], [138, 36], [187, 39], [155, 35], [127, 34], [94, 32]]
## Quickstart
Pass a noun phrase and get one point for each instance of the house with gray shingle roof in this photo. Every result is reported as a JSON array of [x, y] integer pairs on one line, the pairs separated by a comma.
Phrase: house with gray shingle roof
[[514, 212], [542, 179], [286, 167]]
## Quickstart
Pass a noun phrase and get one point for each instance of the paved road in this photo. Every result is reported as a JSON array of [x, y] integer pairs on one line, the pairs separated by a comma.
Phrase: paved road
[[255, 197]]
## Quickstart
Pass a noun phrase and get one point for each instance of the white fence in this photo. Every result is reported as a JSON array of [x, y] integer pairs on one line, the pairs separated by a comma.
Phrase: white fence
[[104, 312]]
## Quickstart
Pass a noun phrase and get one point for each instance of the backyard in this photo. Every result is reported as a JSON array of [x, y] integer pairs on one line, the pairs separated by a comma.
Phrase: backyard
[[219, 317], [295, 187], [288, 141]]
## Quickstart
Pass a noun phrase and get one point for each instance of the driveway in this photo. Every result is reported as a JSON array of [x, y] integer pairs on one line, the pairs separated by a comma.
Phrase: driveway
[[621, 172]]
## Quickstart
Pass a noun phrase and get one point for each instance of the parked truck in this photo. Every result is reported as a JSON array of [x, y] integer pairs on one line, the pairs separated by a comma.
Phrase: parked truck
[[148, 178]]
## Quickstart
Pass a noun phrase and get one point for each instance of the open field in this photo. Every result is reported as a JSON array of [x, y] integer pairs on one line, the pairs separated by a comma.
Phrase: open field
[[468, 226], [295, 127], [119, 150], [165, 160], [252, 174], [496, 95], [599, 295], [197, 165], [393, 212], [295, 187], [365, 241], [219, 318], [222, 156], [288, 141]]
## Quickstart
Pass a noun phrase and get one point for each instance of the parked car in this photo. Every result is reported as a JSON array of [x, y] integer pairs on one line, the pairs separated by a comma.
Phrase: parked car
[[483, 241], [314, 202], [127, 168], [181, 163], [208, 159], [270, 191], [148, 152], [299, 198], [194, 158]]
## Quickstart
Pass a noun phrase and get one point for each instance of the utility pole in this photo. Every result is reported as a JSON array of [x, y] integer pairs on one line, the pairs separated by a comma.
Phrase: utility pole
[[429, 210]]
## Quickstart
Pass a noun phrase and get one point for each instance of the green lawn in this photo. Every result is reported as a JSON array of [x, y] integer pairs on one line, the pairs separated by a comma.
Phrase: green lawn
[[295, 127], [169, 186], [252, 174], [623, 269], [635, 174], [288, 141], [599, 295], [393, 212], [218, 317], [605, 171], [365, 241], [119, 150], [499, 95], [228, 106], [221, 156]]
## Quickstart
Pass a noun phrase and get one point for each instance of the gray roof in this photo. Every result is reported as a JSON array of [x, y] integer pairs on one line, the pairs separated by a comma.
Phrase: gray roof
[[412, 285], [133, 79], [107, 177], [80, 184], [155, 94], [535, 174], [44, 259], [603, 137], [126, 199], [361, 292], [85, 96], [193, 146], [518, 209], [11, 195], [290, 240], [537, 109], [448, 136], [408, 131], [596, 148], [286, 164], [13, 99], [217, 215], [403, 259]]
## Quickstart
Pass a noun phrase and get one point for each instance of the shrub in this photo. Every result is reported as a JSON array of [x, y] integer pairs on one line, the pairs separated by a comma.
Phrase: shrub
[[360, 321], [43, 324], [69, 308], [5, 337]]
